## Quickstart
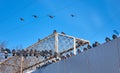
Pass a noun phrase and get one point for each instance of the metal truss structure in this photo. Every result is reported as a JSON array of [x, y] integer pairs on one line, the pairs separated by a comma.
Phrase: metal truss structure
[[59, 43]]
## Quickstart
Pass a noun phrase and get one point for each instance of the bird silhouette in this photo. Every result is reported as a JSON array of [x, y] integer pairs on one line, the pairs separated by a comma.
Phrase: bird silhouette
[[51, 16], [72, 15], [35, 16], [21, 19], [63, 33]]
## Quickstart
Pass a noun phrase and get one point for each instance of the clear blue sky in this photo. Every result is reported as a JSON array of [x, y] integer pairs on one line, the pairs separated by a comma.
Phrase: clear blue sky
[[94, 19]]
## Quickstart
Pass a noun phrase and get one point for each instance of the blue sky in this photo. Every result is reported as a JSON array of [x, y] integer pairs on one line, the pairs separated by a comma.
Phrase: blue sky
[[93, 21]]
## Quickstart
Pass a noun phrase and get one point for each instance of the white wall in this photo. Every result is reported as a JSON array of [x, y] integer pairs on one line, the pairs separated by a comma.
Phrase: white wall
[[101, 59]]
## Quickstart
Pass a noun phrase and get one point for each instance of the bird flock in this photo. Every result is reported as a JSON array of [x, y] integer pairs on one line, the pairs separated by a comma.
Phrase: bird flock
[[46, 54], [50, 16]]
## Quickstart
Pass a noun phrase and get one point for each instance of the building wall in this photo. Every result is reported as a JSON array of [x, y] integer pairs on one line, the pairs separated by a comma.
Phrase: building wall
[[104, 58]]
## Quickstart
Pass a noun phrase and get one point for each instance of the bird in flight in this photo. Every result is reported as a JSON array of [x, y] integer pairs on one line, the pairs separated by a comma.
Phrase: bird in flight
[[21, 19], [72, 15], [35, 16], [50, 16]]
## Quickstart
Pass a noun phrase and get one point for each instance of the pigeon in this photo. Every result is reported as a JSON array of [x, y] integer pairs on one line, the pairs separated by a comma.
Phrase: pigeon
[[72, 15], [35, 16], [21, 19], [50, 16]]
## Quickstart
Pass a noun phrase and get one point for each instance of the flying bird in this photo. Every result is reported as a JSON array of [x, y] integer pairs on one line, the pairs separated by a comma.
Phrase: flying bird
[[72, 15], [35, 16], [21, 19], [50, 16]]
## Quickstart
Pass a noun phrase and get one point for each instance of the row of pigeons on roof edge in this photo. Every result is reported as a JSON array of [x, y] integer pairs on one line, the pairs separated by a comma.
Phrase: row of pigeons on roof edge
[[44, 53]]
